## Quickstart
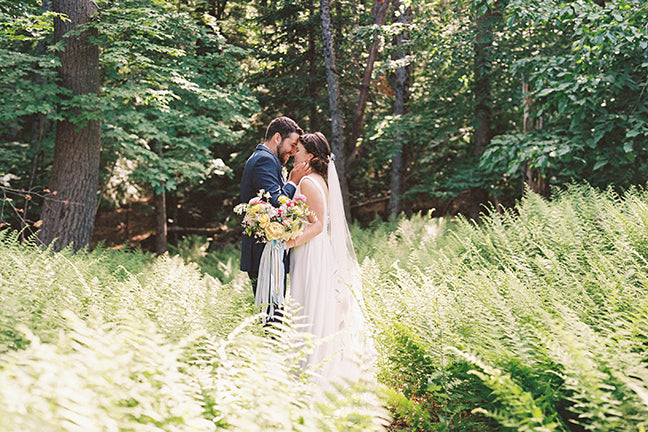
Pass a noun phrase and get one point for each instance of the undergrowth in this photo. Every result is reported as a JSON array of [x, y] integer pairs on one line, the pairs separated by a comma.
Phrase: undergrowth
[[535, 319], [112, 340]]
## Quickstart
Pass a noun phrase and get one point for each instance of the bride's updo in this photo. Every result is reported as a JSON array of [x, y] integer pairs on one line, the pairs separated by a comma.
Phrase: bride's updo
[[317, 145]]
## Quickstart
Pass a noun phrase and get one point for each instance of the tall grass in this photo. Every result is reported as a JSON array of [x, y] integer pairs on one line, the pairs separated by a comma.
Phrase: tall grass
[[535, 319]]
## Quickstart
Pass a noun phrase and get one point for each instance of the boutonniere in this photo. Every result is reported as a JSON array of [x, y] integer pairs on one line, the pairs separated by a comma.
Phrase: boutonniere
[[284, 172]]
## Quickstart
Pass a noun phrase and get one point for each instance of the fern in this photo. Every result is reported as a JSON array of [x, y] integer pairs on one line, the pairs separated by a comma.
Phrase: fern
[[109, 340], [535, 319], [550, 298]]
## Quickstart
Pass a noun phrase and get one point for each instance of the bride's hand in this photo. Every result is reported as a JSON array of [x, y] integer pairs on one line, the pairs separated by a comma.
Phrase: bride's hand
[[299, 170], [290, 244]]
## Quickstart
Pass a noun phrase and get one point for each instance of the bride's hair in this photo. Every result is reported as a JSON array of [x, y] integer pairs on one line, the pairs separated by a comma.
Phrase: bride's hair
[[317, 145]]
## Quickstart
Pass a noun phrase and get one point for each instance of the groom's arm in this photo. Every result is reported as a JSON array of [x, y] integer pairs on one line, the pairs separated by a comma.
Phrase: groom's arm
[[289, 189], [269, 179]]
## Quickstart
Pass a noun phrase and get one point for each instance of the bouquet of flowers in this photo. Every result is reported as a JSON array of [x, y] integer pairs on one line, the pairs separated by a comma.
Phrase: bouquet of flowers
[[267, 223], [274, 226]]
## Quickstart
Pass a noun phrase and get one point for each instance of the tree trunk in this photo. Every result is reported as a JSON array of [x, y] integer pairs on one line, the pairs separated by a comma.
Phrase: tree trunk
[[380, 13], [482, 61], [160, 223], [172, 212], [160, 212], [313, 57], [535, 179], [39, 127], [218, 8], [69, 209], [400, 101], [482, 95], [337, 121]]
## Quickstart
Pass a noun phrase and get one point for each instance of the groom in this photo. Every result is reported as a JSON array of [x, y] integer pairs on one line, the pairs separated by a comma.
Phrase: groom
[[263, 170]]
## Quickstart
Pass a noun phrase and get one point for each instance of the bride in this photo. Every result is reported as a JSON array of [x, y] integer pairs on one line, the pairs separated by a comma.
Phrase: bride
[[324, 272]]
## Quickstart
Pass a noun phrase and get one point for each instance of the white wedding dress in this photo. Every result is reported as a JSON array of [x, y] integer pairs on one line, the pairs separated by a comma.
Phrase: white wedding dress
[[324, 281]]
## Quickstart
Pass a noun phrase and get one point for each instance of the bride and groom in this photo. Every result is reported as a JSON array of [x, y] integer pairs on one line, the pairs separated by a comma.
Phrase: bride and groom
[[324, 273]]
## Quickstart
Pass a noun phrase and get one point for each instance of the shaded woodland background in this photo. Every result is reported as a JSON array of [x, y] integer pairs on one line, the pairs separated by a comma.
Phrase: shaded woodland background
[[143, 112]]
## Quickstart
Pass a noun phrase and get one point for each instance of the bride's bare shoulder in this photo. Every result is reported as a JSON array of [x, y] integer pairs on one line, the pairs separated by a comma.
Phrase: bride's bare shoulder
[[314, 186], [315, 178]]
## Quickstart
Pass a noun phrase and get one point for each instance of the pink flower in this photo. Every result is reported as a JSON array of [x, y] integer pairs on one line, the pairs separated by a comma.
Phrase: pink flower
[[300, 197], [255, 200]]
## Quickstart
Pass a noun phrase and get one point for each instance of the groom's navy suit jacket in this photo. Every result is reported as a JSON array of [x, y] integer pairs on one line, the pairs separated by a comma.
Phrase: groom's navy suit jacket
[[262, 171]]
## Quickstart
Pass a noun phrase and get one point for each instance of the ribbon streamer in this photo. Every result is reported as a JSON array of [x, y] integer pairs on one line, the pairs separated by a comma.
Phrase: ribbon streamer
[[270, 292]]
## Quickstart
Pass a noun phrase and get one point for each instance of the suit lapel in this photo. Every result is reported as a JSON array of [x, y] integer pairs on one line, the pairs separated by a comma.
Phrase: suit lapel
[[262, 148]]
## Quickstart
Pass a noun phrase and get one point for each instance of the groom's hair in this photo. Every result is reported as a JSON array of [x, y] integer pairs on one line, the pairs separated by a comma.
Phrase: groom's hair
[[284, 126]]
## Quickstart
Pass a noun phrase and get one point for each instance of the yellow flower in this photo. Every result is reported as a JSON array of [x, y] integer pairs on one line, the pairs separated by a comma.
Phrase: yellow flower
[[274, 231], [283, 199], [255, 208], [263, 220]]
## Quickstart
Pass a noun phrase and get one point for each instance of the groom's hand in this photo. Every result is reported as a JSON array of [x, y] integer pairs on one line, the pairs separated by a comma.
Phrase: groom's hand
[[299, 170]]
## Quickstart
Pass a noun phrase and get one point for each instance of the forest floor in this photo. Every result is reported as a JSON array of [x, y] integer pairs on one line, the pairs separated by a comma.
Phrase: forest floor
[[134, 227], [131, 226]]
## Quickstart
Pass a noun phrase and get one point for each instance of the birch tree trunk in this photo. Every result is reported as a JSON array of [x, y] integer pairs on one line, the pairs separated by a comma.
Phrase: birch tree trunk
[[535, 179], [70, 207], [337, 120], [400, 101]]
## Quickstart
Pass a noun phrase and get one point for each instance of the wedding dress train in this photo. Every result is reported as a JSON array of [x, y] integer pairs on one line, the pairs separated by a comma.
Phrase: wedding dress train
[[323, 285]]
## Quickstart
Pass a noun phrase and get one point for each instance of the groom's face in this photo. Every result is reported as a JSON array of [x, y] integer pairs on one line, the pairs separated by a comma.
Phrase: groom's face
[[287, 147]]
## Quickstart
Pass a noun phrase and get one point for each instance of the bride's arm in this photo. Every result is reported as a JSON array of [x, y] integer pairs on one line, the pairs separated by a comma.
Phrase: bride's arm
[[316, 203]]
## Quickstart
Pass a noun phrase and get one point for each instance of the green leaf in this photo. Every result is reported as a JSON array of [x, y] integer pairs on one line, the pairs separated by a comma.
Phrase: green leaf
[[600, 164]]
